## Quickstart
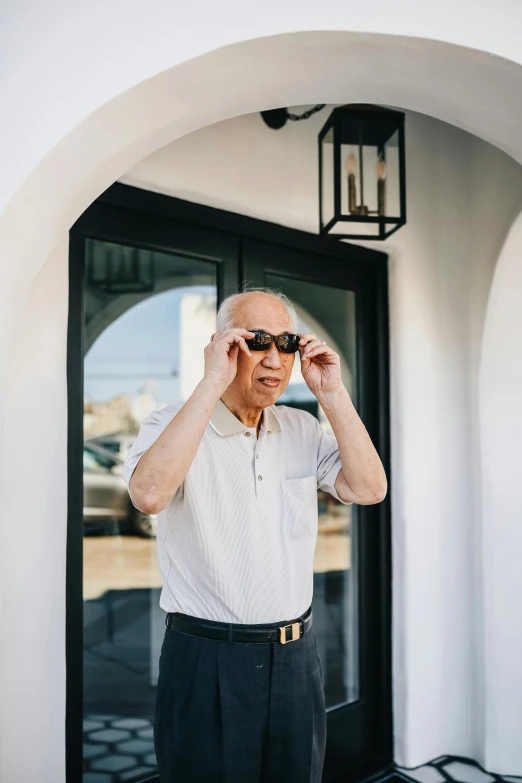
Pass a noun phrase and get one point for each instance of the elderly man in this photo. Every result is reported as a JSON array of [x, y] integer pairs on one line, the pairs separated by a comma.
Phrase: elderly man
[[234, 481]]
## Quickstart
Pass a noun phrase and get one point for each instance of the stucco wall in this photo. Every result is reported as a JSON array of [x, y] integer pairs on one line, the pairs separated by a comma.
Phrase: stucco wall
[[500, 391], [33, 530], [89, 91]]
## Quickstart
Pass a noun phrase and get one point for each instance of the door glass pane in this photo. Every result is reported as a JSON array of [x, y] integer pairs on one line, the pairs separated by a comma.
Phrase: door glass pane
[[329, 313], [148, 318]]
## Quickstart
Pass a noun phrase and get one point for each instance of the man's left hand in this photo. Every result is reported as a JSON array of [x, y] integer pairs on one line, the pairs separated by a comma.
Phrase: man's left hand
[[320, 366]]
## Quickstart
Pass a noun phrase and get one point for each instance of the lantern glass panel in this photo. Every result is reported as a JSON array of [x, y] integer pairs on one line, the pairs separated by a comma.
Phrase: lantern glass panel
[[355, 160], [393, 196], [327, 177]]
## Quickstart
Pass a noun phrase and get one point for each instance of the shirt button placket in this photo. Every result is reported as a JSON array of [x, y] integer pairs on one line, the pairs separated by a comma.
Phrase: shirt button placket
[[248, 435]]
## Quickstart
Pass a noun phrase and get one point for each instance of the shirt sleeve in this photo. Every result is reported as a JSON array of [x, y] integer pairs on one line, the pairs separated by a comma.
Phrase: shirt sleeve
[[150, 430], [328, 463]]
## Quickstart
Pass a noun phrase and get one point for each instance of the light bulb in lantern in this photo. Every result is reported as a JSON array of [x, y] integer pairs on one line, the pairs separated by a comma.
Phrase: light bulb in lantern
[[351, 164], [380, 169], [351, 167]]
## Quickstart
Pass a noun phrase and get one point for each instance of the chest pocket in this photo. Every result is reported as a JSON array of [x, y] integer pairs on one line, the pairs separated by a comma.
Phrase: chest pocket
[[300, 504]]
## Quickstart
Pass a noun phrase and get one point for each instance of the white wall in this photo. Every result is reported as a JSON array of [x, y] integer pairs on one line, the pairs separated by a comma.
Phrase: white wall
[[461, 196], [501, 432], [33, 534], [91, 89]]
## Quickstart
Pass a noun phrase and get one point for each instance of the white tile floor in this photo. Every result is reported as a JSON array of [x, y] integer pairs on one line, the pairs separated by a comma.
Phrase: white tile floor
[[425, 774]]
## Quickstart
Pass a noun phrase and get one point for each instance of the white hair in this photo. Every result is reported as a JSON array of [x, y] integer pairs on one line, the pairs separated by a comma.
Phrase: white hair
[[225, 313]]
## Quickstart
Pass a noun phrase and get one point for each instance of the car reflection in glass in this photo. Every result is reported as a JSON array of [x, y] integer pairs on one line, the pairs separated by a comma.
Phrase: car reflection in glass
[[105, 496]]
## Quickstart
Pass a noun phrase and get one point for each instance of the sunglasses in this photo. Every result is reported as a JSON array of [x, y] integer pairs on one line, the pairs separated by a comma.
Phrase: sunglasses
[[286, 343]]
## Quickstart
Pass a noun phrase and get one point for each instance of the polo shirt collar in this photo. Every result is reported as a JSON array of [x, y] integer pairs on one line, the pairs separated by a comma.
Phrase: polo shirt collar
[[226, 423]]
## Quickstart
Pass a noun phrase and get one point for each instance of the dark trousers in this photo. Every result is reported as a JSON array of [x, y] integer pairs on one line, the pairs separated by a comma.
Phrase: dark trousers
[[237, 712]]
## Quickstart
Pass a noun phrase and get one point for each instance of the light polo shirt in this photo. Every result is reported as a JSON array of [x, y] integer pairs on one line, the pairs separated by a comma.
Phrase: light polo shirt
[[236, 542]]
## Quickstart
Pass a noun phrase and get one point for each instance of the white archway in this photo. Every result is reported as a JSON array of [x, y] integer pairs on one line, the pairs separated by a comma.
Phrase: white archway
[[111, 112], [467, 88]]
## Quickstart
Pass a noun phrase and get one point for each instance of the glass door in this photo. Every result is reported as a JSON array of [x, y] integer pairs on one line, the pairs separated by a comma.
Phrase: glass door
[[148, 317], [148, 301], [147, 274], [336, 300]]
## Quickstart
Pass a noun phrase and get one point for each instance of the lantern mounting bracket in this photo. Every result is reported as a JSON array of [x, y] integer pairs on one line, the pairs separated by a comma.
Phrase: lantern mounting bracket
[[276, 118]]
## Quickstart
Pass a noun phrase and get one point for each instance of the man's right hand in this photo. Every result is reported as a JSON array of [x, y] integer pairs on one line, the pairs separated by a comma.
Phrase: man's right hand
[[221, 355], [164, 465]]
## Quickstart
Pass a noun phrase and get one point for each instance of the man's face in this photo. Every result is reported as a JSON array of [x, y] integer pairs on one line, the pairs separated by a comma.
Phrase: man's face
[[265, 312]]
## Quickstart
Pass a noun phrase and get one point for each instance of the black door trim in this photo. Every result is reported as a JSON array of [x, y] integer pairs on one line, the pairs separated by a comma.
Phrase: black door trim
[[152, 203], [111, 217]]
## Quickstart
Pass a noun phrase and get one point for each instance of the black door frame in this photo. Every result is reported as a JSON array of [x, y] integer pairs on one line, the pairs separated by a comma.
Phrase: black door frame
[[130, 215]]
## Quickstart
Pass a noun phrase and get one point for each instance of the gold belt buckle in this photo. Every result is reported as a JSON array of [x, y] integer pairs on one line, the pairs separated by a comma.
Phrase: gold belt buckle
[[295, 632]]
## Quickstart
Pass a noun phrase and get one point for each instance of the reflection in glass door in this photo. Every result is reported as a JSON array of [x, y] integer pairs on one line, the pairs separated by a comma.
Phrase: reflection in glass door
[[329, 313], [148, 317], [146, 275]]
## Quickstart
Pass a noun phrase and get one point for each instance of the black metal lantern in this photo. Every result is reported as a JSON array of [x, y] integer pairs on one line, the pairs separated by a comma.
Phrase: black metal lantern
[[362, 188]]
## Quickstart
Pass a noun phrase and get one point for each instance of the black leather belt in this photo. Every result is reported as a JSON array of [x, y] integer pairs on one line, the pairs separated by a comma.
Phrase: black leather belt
[[238, 632]]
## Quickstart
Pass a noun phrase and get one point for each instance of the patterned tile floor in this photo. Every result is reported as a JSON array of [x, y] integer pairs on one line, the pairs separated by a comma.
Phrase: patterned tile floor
[[447, 769], [117, 749], [121, 750]]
